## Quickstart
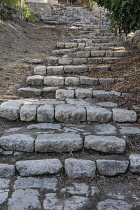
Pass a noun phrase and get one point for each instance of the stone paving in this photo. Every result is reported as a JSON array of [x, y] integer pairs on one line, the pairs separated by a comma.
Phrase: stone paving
[[70, 151]]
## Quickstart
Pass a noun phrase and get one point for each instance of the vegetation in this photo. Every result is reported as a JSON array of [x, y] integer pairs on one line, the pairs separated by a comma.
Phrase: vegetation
[[123, 14], [15, 6]]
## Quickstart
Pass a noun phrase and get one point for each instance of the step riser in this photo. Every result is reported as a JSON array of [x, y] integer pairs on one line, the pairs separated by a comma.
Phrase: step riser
[[42, 112], [56, 81]]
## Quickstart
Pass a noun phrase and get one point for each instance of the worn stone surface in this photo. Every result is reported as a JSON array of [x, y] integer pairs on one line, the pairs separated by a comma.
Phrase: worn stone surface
[[124, 115], [79, 168], [106, 81], [60, 142], [3, 196], [108, 144], [83, 54], [28, 112], [65, 61], [104, 93], [111, 167], [88, 81], [44, 126], [10, 109], [17, 142], [135, 163], [39, 167], [28, 92], [53, 202], [54, 81], [70, 114], [36, 183], [46, 90], [105, 129], [75, 69], [127, 130], [45, 113], [24, 199], [107, 104], [34, 80], [79, 61], [55, 70], [83, 93], [96, 114], [40, 70], [111, 204], [62, 94], [72, 81], [4, 183], [7, 170], [77, 102]]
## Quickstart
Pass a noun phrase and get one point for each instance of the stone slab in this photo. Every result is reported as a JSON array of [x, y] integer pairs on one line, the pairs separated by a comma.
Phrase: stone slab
[[111, 167], [107, 144], [79, 168], [17, 142], [124, 115], [45, 113], [7, 170], [39, 167], [60, 142], [134, 163]]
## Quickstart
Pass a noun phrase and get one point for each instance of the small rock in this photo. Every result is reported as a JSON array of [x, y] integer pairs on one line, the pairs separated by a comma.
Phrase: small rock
[[39, 167], [111, 167], [78, 168]]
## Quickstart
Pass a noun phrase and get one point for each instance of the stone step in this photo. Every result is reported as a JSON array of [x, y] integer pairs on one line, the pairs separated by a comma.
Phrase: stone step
[[74, 168], [78, 43], [67, 111], [70, 62], [59, 81]]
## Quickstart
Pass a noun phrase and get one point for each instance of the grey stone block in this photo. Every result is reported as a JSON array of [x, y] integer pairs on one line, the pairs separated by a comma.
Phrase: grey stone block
[[70, 45], [83, 93], [29, 91], [54, 81], [83, 54], [72, 81], [95, 60], [59, 142], [63, 94], [38, 183], [75, 69], [40, 70], [124, 115], [10, 109], [39, 167], [79, 168], [100, 53], [24, 199], [49, 90], [45, 113], [28, 112], [107, 104], [88, 81], [34, 80], [70, 114], [112, 167], [60, 44], [135, 163], [7, 170], [52, 61], [96, 114], [127, 130], [113, 204], [65, 61], [104, 93], [110, 60], [79, 61], [106, 81], [3, 196], [108, 144], [55, 70], [17, 142]]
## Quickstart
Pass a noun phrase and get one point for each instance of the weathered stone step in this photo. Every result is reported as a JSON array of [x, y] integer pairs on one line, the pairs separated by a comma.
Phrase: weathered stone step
[[68, 61], [50, 110], [74, 168], [59, 81], [72, 69], [78, 43]]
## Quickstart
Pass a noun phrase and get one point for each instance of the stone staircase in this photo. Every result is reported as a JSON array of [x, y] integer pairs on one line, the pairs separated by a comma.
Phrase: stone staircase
[[70, 134]]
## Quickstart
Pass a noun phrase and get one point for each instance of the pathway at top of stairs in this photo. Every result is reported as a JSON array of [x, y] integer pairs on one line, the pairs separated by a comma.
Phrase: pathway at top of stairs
[[71, 151]]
